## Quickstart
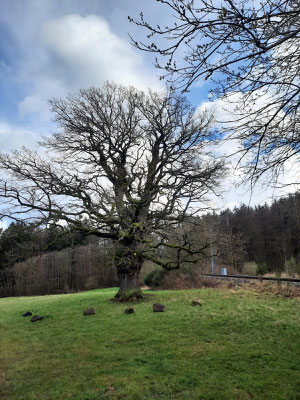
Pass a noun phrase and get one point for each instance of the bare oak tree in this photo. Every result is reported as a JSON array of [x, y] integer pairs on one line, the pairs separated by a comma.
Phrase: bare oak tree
[[125, 166], [250, 52]]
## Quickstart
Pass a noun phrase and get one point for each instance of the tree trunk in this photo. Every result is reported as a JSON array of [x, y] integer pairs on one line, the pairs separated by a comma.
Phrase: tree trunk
[[129, 263], [129, 285]]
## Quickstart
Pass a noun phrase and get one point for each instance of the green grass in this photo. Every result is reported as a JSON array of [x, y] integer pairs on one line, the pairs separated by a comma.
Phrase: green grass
[[239, 345]]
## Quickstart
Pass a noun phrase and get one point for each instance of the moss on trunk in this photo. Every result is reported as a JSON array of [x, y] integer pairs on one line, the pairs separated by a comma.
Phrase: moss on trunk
[[129, 285], [129, 295]]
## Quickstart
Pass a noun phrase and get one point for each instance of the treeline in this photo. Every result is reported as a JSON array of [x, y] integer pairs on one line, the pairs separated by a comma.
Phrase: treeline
[[69, 270], [249, 240], [36, 261], [270, 233]]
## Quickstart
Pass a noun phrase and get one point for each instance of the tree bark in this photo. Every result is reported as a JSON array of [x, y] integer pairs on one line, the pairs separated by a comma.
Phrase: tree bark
[[129, 285]]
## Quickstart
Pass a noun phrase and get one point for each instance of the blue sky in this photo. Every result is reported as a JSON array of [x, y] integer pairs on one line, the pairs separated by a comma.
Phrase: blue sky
[[49, 48], [43, 53]]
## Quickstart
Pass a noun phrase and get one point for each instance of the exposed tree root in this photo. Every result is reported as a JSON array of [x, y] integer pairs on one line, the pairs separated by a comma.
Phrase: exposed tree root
[[129, 295]]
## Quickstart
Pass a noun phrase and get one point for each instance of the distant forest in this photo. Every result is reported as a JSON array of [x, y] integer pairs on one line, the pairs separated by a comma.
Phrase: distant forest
[[259, 240]]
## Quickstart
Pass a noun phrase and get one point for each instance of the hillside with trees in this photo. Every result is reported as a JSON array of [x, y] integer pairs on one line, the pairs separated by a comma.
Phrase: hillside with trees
[[253, 241], [271, 232]]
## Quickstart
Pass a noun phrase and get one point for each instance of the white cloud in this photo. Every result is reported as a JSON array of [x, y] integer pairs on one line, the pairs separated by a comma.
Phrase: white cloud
[[13, 137], [79, 52], [93, 53], [35, 103], [229, 113], [3, 224]]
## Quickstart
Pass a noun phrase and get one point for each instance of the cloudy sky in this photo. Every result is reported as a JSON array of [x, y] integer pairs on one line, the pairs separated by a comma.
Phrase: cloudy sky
[[49, 48]]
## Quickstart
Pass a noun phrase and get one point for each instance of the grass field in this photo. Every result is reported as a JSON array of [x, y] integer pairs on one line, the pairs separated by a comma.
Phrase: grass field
[[238, 345]]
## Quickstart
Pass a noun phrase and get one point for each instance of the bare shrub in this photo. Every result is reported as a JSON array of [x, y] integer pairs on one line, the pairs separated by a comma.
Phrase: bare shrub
[[292, 267], [250, 268], [177, 280]]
